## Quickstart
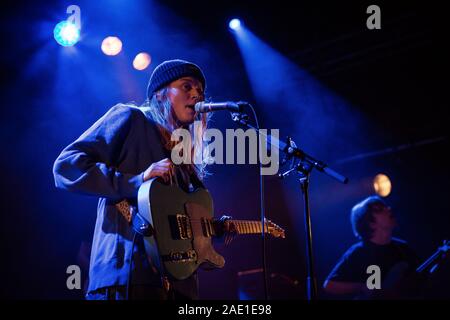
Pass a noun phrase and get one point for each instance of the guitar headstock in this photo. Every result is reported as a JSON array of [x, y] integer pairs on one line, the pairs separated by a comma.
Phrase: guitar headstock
[[274, 230], [445, 246]]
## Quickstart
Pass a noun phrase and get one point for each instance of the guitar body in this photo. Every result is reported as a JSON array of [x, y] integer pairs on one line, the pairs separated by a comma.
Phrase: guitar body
[[396, 284], [401, 284], [182, 228]]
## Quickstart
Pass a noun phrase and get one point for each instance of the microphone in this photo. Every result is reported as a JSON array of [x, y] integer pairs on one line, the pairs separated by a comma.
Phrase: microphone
[[203, 106]]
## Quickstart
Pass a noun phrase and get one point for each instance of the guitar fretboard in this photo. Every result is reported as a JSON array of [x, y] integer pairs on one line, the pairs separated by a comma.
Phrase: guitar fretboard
[[248, 226]]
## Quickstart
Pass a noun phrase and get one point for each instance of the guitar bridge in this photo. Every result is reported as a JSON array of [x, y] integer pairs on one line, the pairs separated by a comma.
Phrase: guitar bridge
[[184, 227], [181, 256]]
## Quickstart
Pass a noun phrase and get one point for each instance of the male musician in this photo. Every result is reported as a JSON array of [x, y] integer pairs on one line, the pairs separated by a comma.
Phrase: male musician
[[124, 148], [373, 222]]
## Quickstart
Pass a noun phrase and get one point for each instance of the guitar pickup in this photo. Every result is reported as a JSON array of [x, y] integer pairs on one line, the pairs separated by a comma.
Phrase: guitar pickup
[[183, 226], [207, 227]]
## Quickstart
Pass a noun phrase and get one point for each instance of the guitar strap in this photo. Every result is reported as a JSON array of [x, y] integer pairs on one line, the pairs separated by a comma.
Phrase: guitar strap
[[196, 182], [144, 233], [125, 209], [137, 222]]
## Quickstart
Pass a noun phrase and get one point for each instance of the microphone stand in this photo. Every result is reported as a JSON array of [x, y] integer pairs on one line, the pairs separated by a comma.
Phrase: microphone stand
[[304, 167]]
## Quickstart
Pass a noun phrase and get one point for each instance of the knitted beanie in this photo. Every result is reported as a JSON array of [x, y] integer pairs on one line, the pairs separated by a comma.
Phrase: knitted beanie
[[172, 70]]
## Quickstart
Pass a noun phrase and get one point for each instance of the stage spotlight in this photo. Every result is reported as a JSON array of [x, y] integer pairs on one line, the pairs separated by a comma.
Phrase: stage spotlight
[[111, 46], [66, 33], [382, 185], [234, 24], [141, 61]]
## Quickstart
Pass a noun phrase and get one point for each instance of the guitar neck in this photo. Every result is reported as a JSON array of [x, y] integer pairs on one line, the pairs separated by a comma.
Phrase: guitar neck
[[430, 262], [435, 258], [249, 226]]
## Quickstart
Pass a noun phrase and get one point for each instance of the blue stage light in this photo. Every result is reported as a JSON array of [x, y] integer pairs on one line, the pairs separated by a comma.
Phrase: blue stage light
[[66, 33], [234, 24]]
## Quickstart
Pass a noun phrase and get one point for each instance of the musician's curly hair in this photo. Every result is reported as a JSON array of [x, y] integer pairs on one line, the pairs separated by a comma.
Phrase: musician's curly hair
[[362, 215]]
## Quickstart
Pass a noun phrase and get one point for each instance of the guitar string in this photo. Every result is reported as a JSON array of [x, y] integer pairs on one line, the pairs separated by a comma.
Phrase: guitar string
[[241, 227], [239, 224]]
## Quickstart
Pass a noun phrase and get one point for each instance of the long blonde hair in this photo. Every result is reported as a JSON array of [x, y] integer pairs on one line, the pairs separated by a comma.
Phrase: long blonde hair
[[161, 112]]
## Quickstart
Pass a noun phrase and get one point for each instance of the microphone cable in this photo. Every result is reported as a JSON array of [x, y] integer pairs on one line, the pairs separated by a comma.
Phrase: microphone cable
[[262, 207]]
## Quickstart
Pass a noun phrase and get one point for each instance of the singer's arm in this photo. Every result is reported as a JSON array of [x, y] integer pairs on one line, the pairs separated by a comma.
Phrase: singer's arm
[[89, 165]]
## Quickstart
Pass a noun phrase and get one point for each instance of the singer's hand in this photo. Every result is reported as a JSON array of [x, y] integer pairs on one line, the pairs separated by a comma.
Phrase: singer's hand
[[230, 232], [226, 229], [163, 168]]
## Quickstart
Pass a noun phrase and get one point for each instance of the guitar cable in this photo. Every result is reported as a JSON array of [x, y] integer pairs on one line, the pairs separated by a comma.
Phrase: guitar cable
[[130, 270]]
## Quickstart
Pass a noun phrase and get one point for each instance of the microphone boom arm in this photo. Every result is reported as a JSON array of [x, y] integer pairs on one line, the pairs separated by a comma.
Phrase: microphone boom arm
[[290, 150]]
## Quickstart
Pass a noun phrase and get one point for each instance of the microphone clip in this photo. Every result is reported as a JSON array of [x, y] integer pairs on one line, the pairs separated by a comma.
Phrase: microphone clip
[[239, 117]]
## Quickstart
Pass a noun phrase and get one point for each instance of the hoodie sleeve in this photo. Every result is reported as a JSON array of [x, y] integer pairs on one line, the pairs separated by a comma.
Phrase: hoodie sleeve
[[89, 165]]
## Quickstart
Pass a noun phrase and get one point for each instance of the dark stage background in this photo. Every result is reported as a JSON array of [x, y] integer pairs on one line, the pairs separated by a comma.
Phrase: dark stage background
[[364, 101]]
